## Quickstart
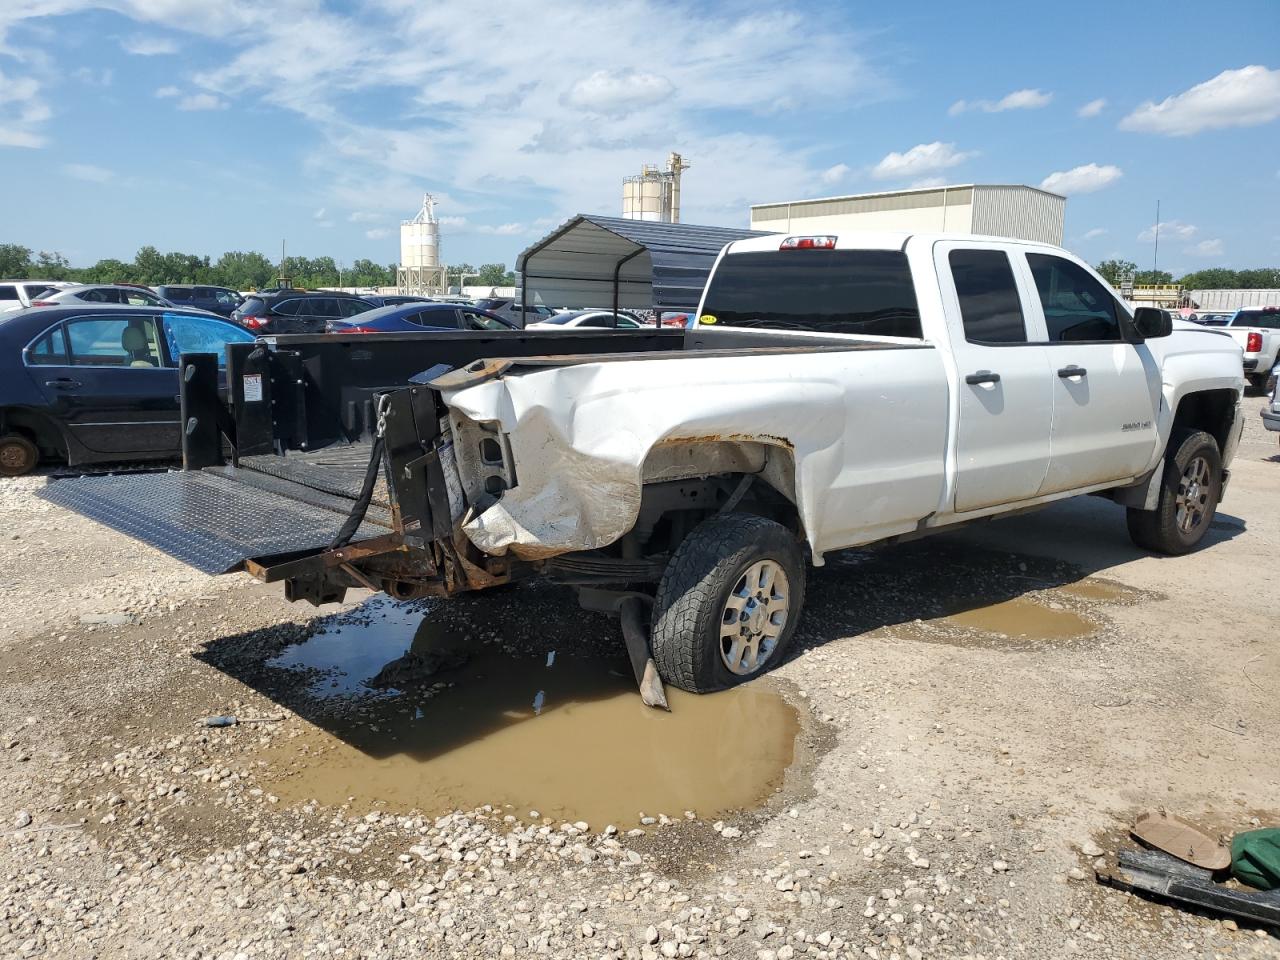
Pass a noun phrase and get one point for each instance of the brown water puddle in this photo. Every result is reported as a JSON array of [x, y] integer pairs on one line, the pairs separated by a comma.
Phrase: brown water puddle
[[1023, 619], [1100, 591], [422, 714]]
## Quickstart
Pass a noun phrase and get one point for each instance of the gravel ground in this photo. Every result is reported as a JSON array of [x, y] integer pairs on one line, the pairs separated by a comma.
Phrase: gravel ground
[[956, 781]]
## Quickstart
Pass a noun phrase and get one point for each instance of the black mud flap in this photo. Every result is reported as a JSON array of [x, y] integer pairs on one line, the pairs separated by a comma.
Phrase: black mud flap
[[206, 520]]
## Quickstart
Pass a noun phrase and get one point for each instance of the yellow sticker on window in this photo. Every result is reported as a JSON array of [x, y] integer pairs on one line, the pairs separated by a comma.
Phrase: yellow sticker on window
[[707, 318]]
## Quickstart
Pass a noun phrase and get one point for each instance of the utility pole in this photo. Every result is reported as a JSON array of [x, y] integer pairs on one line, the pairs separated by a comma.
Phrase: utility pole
[[1155, 256]]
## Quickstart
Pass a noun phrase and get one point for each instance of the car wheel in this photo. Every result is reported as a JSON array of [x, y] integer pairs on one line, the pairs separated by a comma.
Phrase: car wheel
[[728, 603], [18, 455], [1190, 488], [1259, 383]]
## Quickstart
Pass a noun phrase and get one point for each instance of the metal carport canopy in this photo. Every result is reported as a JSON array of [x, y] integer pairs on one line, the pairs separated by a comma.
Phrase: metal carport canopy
[[593, 261]]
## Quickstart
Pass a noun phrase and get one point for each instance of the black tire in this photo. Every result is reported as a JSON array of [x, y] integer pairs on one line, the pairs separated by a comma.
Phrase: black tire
[[18, 455], [1162, 530], [1259, 383], [694, 592]]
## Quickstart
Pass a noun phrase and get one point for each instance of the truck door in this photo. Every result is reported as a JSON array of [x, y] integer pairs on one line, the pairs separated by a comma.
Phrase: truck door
[[1003, 377], [1106, 391]]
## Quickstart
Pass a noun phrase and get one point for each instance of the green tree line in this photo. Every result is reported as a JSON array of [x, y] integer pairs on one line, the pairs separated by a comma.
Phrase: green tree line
[[238, 269], [1215, 278]]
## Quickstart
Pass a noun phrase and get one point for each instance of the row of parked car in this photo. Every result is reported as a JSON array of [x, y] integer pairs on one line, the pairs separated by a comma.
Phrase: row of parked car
[[89, 372]]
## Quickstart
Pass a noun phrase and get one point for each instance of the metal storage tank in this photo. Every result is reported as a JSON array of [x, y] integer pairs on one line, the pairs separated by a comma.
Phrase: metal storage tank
[[654, 194], [420, 270], [1000, 210]]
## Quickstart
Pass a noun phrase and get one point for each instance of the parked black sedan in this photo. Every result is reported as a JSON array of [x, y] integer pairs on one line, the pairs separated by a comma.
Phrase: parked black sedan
[[95, 383]]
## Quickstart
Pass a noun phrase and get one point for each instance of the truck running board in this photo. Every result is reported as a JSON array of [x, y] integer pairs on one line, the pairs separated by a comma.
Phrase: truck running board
[[206, 519]]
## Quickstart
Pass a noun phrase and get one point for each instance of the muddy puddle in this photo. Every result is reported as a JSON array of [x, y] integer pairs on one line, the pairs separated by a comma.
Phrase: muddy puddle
[[413, 711], [1023, 619]]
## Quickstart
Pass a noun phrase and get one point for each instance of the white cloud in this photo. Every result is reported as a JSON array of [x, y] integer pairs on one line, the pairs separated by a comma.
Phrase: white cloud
[[1206, 248], [1234, 98], [1169, 230], [607, 91], [835, 174], [22, 112], [1095, 233], [202, 101], [1092, 108], [503, 129], [378, 233], [318, 215], [452, 221], [1082, 179], [1018, 100], [503, 230], [925, 182], [365, 216], [87, 171], [166, 92], [920, 160], [320, 218], [147, 45]]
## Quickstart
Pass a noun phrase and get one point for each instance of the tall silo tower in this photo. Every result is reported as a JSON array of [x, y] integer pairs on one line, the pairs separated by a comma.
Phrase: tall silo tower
[[420, 271], [654, 194]]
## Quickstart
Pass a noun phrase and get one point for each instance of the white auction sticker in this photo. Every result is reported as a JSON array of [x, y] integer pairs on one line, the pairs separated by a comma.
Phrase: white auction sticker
[[253, 387]]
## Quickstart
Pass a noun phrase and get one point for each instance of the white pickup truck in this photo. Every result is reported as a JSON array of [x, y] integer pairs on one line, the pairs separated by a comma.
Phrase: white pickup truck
[[1257, 330], [835, 391]]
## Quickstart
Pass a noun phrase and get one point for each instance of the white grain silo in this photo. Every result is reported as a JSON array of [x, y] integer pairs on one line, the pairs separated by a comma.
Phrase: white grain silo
[[421, 271], [654, 194]]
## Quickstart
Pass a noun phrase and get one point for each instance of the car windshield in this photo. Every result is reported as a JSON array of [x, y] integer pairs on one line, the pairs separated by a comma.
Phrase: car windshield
[[1266, 319]]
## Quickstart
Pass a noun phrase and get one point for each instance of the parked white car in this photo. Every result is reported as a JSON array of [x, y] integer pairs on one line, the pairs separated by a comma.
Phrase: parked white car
[[102, 293], [587, 318], [18, 294], [1257, 330]]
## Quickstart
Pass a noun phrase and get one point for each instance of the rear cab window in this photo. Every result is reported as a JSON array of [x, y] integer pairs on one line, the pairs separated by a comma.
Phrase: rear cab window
[[8, 291], [868, 292], [1263, 319]]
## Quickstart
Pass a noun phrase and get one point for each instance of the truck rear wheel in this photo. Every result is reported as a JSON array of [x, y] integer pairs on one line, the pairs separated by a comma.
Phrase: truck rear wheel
[[728, 603], [1189, 492], [18, 455]]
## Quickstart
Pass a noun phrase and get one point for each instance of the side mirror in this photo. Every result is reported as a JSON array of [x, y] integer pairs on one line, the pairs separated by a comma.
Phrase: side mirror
[[1152, 322]]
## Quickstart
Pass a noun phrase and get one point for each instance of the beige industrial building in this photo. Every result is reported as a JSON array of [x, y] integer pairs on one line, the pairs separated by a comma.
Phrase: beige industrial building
[[997, 210]]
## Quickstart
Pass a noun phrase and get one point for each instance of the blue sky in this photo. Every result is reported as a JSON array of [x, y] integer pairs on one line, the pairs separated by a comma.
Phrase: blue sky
[[209, 125]]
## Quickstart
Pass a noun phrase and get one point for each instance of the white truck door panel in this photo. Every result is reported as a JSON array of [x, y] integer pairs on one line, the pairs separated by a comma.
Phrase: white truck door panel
[[1004, 382], [1106, 392]]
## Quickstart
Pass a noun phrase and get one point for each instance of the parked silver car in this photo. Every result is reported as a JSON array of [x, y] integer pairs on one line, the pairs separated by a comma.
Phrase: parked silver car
[[102, 293]]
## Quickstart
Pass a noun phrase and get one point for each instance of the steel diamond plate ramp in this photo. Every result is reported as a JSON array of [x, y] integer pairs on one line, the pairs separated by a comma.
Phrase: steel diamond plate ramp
[[207, 521]]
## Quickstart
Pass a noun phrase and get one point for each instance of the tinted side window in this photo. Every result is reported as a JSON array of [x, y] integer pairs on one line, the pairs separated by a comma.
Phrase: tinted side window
[[319, 307], [49, 349], [99, 296], [8, 292], [203, 293], [828, 291], [287, 308], [988, 294], [139, 298], [349, 308], [177, 294], [1076, 306], [478, 321]]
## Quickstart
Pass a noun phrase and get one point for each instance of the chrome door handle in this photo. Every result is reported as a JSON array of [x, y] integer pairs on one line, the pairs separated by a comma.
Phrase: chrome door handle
[[63, 383]]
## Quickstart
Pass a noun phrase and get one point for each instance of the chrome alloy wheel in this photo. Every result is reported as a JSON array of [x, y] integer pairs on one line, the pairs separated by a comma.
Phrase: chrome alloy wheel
[[1192, 501], [754, 617]]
